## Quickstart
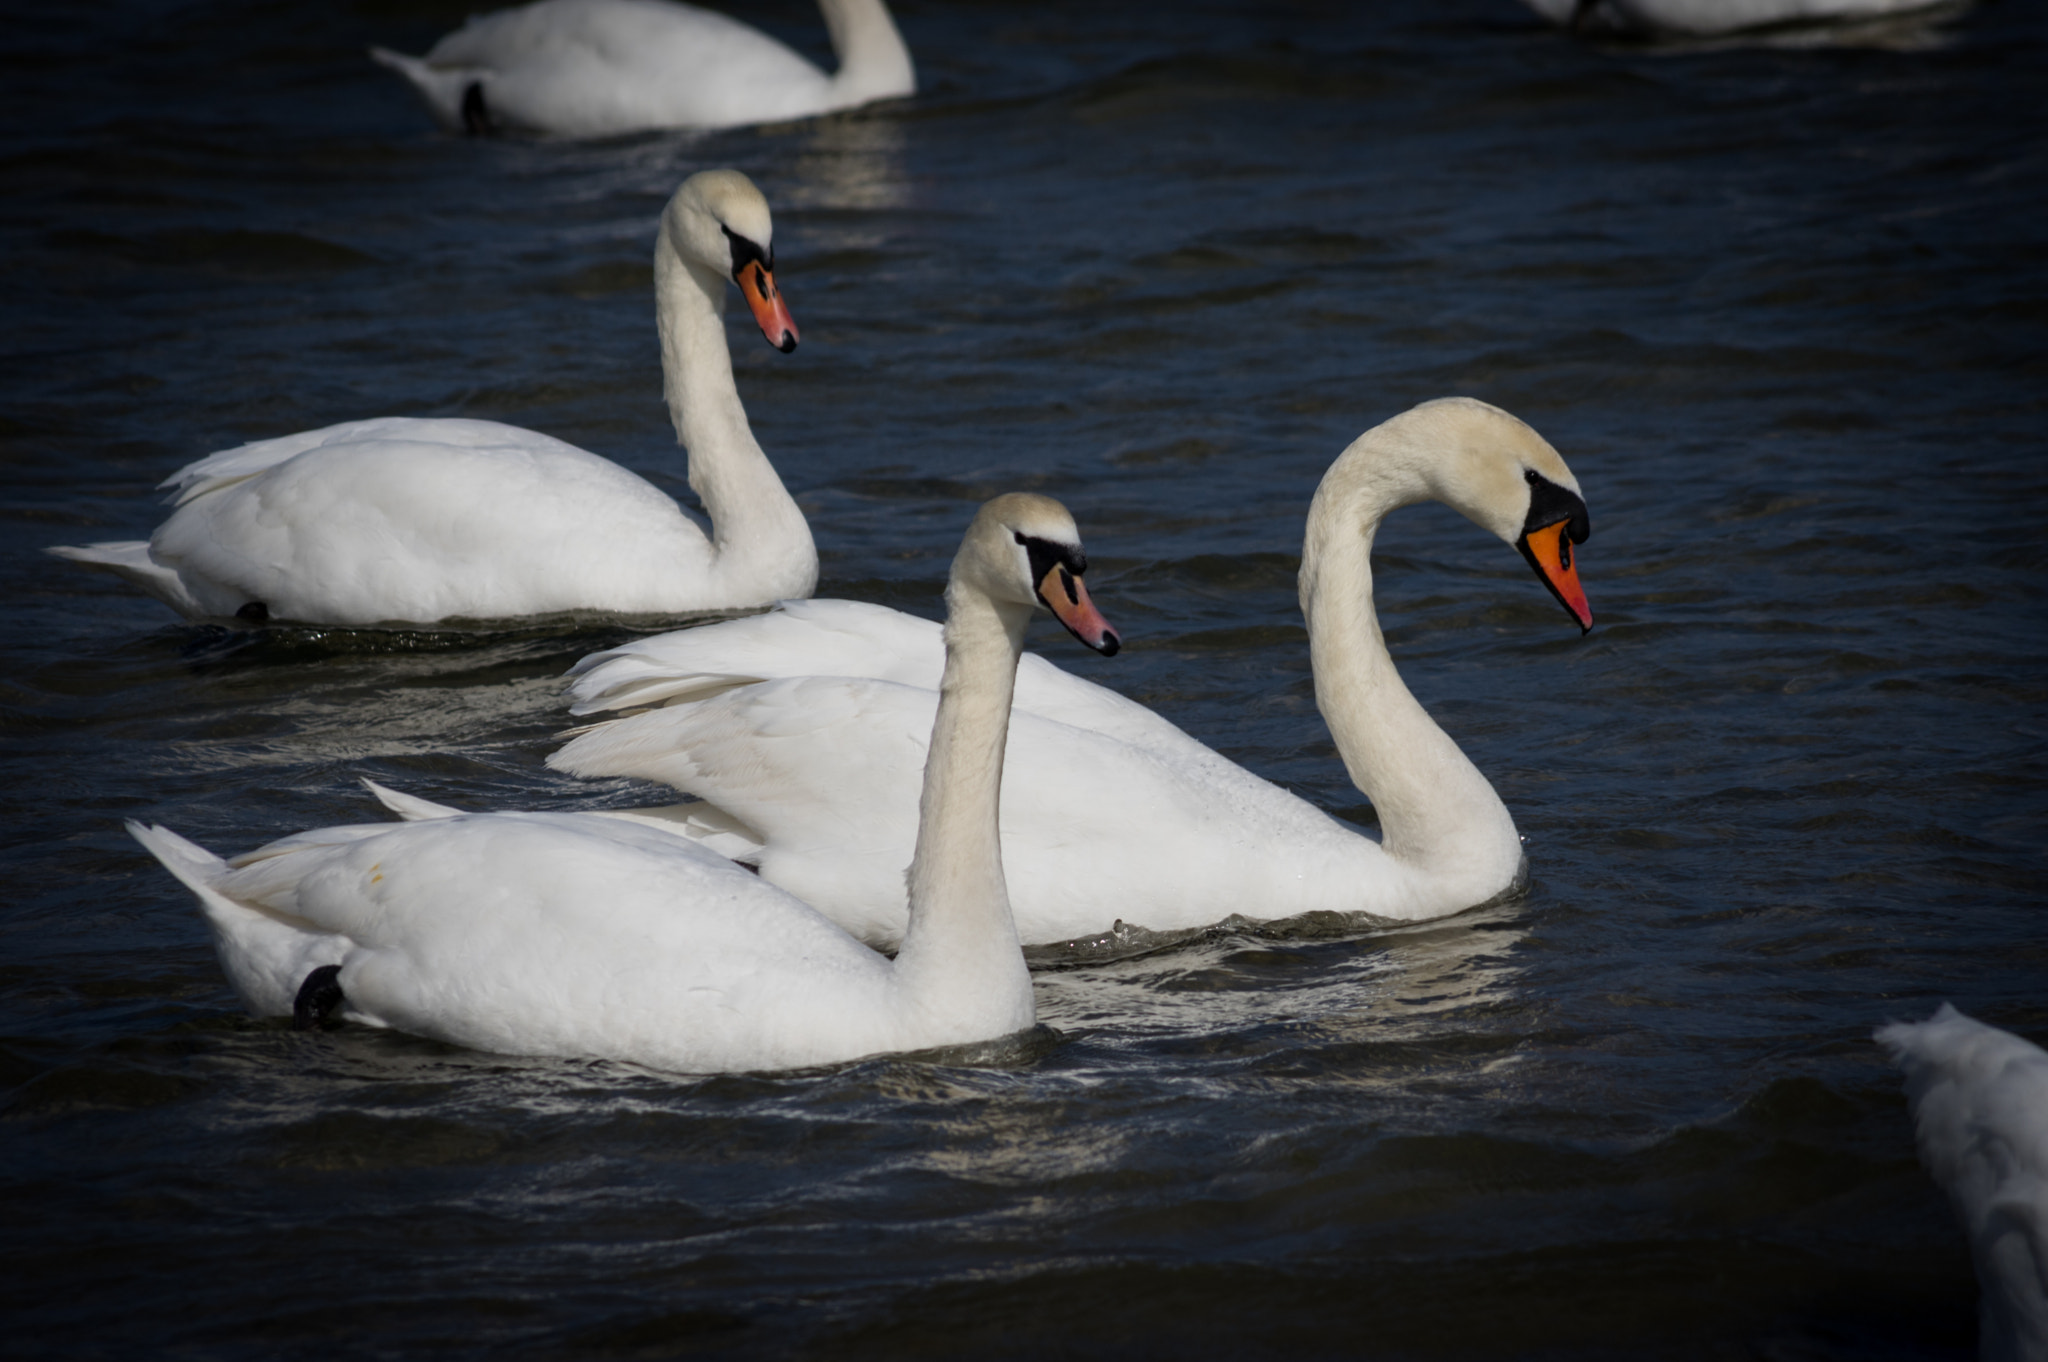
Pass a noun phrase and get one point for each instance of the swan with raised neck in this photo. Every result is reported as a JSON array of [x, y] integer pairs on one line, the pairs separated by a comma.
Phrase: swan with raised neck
[[579, 935], [601, 68], [415, 521]]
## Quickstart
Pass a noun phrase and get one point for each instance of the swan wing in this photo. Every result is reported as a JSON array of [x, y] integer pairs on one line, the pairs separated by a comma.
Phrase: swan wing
[[229, 466], [423, 520], [853, 639]]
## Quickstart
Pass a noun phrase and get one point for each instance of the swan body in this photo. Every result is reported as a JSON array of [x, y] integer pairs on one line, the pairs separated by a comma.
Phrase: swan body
[[1714, 18], [798, 731], [1980, 1111], [404, 520], [599, 68], [572, 934]]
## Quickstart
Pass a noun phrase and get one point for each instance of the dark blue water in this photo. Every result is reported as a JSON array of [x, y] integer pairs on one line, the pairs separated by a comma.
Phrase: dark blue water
[[1785, 312]]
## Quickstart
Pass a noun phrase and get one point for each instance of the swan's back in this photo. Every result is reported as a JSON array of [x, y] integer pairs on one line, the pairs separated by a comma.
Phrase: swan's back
[[425, 519], [856, 639], [544, 934], [1177, 822], [1980, 1112]]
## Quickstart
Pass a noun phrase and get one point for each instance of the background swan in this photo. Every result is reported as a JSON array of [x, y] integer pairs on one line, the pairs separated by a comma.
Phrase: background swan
[[800, 731], [597, 68], [1710, 18], [410, 521], [1980, 1110], [577, 935]]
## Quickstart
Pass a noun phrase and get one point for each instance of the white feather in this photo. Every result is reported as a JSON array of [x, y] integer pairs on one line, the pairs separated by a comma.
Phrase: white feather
[[598, 68], [806, 725], [398, 520], [1980, 1112], [573, 934]]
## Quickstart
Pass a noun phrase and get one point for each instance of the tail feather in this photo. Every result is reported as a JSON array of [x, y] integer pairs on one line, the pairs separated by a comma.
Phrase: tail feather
[[130, 560], [265, 958], [411, 808], [196, 867], [441, 87], [653, 745]]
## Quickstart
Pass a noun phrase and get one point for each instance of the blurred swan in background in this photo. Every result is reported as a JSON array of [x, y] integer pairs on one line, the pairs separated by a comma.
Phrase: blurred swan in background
[[599, 68], [800, 732], [1715, 18], [415, 521], [1980, 1111], [575, 935]]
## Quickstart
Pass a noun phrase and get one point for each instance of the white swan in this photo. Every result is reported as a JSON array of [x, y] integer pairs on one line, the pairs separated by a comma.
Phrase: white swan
[[413, 521], [1980, 1109], [576, 935], [598, 68], [1714, 18], [799, 731]]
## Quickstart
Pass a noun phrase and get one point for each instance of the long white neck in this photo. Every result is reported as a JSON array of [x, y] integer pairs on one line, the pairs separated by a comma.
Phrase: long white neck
[[960, 957], [873, 62], [757, 531], [1438, 815]]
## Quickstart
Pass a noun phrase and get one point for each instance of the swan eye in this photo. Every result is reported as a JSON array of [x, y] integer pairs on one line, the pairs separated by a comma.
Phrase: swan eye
[[1529, 476], [745, 252], [1018, 535]]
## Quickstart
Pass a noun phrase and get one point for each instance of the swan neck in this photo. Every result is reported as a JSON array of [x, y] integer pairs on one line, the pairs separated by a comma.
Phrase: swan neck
[[752, 514], [1436, 811], [961, 942], [874, 63]]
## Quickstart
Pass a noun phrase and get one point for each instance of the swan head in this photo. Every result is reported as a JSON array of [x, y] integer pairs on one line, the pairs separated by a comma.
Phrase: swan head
[[1502, 476], [1024, 550], [718, 219]]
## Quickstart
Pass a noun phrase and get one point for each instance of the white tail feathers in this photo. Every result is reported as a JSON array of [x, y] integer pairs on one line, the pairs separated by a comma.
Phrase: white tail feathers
[[196, 867], [441, 87], [130, 559], [411, 808]]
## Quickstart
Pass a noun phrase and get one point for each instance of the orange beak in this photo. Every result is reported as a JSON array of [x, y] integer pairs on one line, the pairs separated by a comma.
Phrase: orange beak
[[1549, 551], [757, 286], [1067, 598]]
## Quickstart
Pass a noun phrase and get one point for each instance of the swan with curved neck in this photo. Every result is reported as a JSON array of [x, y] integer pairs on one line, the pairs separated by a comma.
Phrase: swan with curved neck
[[1178, 837], [601, 68], [411, 521], [577, 935]]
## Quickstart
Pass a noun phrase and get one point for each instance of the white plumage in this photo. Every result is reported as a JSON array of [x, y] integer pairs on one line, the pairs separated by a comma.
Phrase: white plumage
[[801, 731], [1714, 18], [1980, 1111], [579, 935], [412, 521], [598, 68]]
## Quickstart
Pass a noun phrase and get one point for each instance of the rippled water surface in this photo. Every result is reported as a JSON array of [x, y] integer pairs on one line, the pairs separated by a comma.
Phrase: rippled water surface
[[1785, 311]]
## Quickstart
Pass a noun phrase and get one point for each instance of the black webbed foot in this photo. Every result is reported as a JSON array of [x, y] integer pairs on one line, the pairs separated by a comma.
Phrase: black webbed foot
[[319, 997], [476, 115]]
